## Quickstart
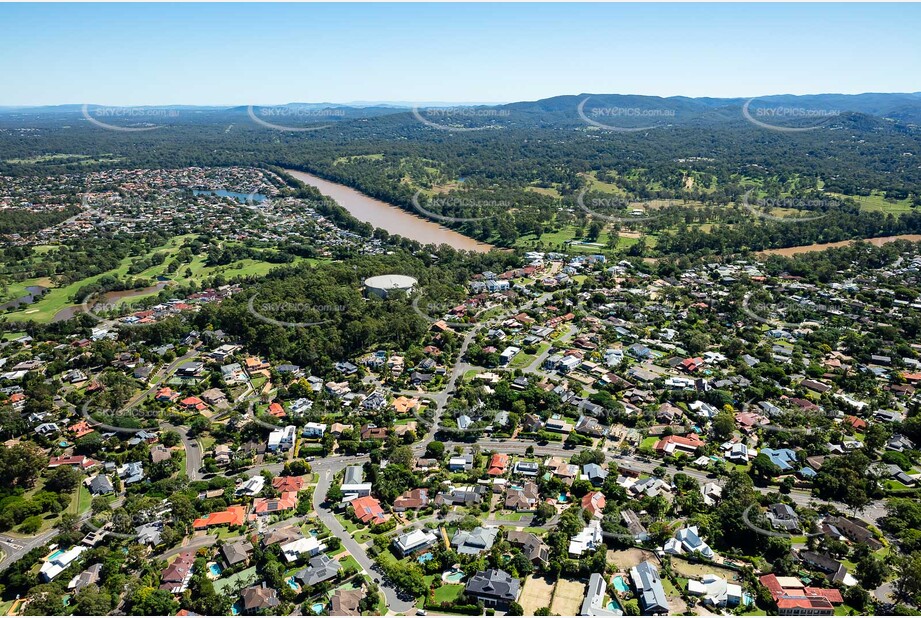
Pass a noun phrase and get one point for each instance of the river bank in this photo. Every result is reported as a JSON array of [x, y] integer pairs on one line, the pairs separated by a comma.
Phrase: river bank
[[389, 217]]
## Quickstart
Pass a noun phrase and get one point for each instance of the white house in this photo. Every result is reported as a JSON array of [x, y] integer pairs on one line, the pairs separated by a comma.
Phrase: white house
[[588, 540], [314, 430], [306, 546], [282, 439], [414, 541], [58, 561], [252, 486]]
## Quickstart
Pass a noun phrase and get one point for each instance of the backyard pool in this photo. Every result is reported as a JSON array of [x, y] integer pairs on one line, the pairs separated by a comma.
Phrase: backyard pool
[[236, 608], [425, 557], [55, 554], [613, 605], [318, 608], [215, 569], [452, 577], [620, 584], [562, 498], [292, 583]]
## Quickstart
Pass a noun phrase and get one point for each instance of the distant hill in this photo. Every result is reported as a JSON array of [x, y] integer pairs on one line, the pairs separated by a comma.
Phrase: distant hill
[[563, 109]]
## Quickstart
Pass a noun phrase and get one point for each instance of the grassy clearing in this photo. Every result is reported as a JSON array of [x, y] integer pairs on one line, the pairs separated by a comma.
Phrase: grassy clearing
[[876, 202], [196, 272]]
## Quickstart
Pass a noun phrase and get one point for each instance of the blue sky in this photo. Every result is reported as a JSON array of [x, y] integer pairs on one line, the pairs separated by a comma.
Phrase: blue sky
[[140, 54]]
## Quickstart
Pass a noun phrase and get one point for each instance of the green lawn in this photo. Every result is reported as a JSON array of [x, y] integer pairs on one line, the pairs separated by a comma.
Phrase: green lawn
[[845, 610], [83, 500], [448, 593], [350, 562], [350, 526], [196, 271]]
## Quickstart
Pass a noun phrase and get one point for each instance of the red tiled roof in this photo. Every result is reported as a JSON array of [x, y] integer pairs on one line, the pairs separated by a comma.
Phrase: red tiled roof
[[832, 594], [691, 441], [368, 510], [288, 483], [803, 603], [233, 516], [288, 500]]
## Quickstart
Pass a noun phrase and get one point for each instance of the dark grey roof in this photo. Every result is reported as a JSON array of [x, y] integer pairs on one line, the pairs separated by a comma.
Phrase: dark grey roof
[[319, 569], [493, 584]]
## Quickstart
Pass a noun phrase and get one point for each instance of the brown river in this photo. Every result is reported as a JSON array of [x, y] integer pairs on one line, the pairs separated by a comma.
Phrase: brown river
[[388, 217]]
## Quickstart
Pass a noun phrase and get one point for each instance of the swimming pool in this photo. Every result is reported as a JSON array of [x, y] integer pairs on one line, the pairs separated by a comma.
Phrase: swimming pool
[[613, 605], [452, 577], [292, 583], [562, 498], [620, 584], [318, 608], [236, 608], [425, 557], [215, 569], [55, 554]]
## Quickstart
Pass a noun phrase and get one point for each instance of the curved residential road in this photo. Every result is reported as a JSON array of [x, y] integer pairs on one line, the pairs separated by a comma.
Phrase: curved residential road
[[193, 455], [325, 473]]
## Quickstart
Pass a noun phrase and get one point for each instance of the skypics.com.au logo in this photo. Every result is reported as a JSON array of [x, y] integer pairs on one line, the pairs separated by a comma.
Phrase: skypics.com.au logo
[[787, 119], [628, 211], [460, 118], [624, 119], [291, 314], [127, 119], [490, 209], [763, 208], [434, 310], [293, 118], [780, 311]]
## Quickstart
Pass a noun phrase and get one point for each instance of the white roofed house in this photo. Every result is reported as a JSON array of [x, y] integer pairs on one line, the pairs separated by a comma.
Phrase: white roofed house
[[594, 604], [282, 439], [716, 591], [58, 561], [314, 430], [589, 539], [252, 486], [688, 541], [305, 546], [413, 541]]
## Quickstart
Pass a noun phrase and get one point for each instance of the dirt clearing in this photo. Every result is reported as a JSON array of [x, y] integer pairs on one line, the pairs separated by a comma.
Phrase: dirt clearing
[[535, 594]]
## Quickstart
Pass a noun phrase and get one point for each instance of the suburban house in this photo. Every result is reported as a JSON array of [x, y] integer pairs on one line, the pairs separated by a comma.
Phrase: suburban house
[[474, 542], [413, 541], [259, 598], [368, 510], [494, 588], [594, 604], [58, 561], [320, 569], [232, 516], [649, 589], [175, 578], [531, 545], [411, 500]]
